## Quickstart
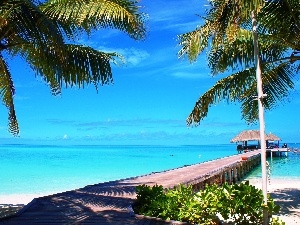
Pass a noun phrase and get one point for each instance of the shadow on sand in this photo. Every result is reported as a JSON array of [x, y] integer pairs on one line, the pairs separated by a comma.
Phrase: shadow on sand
[[289, 201]]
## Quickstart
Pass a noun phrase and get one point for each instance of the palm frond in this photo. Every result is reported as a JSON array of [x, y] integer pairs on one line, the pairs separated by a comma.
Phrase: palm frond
[[92, 14], [7, 91], [230, 49], [277, 82], [32, 27], [221, 22], [194, 42], [236, 53], [272, 18], [76, 66], [230, 88], [242, 87], [87, 65]]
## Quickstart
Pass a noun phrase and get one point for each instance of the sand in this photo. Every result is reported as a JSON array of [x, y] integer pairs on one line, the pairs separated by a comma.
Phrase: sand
[[286, 194], [19, 198]]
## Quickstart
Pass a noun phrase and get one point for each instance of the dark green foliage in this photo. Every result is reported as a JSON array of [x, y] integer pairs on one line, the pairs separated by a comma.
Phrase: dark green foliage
[[149, 200], [239, 203]]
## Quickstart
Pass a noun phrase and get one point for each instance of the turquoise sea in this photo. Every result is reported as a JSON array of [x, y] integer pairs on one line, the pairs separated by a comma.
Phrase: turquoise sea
[[37, 169]]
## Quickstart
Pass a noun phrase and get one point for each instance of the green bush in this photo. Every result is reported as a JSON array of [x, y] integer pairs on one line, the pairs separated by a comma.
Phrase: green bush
[[239, 204], [150, 200]]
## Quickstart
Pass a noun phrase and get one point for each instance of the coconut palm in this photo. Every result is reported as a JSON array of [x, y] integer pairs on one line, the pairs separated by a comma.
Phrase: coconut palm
[[227, 34], [43, 34]]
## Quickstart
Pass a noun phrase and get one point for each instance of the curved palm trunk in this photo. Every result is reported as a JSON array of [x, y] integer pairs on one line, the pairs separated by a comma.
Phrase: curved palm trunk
[[261, 118]]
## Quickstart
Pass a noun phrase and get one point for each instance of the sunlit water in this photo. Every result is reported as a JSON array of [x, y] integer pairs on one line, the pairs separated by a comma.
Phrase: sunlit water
[[280, 167], [51, 169]]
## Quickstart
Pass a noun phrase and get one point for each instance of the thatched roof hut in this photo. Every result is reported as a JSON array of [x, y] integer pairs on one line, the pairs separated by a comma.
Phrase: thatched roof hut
[[272, 137], [253, 135]]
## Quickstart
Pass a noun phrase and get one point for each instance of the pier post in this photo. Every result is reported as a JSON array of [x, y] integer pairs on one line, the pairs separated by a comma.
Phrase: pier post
[[229, 176], [224, 177], [234, 174], [239, 173]]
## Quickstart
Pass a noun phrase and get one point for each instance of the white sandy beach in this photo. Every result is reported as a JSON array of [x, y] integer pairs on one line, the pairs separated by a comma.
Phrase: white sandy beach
[[19, 198], [286, 194]]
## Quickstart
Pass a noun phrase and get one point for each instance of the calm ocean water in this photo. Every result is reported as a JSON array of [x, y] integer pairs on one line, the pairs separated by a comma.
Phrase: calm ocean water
[[27, 169]]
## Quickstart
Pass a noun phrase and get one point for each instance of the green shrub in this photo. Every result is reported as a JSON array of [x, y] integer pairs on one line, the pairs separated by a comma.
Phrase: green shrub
[[150, 200], [239, 203], [276, 221], [243, 204]]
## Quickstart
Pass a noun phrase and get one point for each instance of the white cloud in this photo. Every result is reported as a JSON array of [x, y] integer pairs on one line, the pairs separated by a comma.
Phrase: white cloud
[[133, 56]]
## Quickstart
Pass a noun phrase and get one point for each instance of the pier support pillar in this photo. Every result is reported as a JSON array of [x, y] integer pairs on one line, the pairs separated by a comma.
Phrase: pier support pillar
[[224, 177], [229, 172], [234, 173]]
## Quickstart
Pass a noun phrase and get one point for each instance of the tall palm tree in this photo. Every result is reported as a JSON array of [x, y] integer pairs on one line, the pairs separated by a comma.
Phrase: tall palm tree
[[43, 33], [227, 35]]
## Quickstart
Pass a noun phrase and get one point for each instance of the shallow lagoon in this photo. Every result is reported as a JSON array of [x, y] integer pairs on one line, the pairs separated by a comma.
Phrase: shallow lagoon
[[51, 169]]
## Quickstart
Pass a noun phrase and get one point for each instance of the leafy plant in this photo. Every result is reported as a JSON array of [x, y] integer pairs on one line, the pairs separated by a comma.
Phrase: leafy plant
[[149, 200], [239, 204], [242, 204], [277, 221]]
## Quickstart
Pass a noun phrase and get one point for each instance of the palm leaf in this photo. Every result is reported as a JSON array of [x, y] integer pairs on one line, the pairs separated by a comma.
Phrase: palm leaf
[[223, 16], [76, 66], [32, 24], [236, 52], [277, 82], [92, 14], [241, 87], [194, 42], [230, 49], [7, 91], [230, 88]]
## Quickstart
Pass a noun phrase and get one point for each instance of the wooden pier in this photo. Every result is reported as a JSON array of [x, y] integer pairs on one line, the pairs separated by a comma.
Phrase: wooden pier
[[110, 202], [277, 152]]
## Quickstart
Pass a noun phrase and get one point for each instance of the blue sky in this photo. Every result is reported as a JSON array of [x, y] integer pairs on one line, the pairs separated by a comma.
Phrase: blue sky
[[152, 95]]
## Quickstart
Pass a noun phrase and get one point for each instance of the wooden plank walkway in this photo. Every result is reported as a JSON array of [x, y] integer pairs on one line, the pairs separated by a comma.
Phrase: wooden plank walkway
[[109, 203]]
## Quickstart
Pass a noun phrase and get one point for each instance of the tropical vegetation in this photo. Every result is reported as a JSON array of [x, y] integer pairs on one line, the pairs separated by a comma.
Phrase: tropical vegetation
[[225, 34], [238, 204], [45, 33]]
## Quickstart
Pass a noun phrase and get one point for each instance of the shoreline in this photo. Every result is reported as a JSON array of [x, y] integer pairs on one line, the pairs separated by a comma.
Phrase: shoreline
[[15, 199]]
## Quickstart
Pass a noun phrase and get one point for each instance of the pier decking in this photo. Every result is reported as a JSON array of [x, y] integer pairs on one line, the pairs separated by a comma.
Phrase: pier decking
[[277, 152], [109, 203]]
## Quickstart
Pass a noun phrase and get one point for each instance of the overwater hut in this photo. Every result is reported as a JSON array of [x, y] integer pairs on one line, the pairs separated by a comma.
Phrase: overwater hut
[[245, 136]]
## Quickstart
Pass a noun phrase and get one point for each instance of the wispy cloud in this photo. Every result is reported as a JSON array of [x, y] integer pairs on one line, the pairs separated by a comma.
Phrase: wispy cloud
[[169, 65], [173, 17], [133, 56], [138, 122], [21, 98]]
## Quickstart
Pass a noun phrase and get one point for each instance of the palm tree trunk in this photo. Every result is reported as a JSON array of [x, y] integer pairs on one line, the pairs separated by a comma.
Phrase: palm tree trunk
[[261, 118]]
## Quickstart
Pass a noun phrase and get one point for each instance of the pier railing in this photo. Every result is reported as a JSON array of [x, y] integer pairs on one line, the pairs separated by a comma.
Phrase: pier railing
[[231, 173]]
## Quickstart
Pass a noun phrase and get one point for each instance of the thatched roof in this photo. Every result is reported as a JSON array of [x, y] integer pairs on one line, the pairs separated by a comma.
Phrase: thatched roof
[[272, 137], [253, 135]]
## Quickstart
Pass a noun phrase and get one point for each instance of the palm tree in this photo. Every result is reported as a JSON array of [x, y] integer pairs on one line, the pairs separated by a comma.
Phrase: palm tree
[[43, 34], [227, 34]]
